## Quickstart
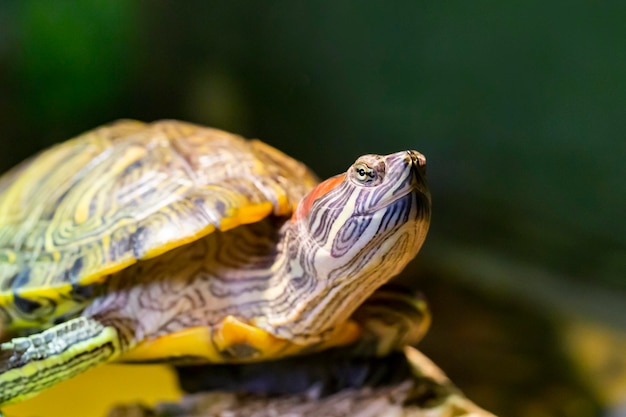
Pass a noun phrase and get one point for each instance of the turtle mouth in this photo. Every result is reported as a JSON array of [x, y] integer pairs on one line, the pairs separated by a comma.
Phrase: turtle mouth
[[418, 161], [387, 204]]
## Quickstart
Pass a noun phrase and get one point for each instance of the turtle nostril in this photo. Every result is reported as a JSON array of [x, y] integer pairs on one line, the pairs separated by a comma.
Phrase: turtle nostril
[[417, 159], [413, 157]]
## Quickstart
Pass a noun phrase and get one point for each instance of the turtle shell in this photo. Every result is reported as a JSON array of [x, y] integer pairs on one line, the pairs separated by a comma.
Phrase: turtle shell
[[125, 192]]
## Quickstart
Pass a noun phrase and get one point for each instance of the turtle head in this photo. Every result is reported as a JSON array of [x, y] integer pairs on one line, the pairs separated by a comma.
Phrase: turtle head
[[357, 230], [380, 204]]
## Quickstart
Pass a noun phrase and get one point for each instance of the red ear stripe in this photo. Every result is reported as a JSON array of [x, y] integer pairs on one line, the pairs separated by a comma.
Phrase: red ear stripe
[[307, 202]]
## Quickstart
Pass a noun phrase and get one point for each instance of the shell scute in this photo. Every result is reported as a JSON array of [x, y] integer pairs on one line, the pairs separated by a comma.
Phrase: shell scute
[[130, 191]]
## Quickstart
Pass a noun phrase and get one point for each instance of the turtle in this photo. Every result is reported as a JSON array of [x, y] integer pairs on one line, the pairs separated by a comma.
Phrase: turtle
[[170, 241]]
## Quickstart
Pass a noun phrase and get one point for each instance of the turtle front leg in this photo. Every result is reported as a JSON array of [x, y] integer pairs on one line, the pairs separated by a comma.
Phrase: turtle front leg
[[390, 319], [31, 364]]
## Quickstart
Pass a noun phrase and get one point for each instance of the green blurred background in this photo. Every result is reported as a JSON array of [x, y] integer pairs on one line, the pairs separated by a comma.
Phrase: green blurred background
[[518, 106]]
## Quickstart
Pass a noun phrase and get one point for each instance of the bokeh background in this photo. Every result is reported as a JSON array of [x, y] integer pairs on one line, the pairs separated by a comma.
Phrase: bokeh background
[[520, 108]]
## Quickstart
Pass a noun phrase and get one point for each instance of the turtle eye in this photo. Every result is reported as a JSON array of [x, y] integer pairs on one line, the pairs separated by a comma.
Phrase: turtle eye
[[364, 174]]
